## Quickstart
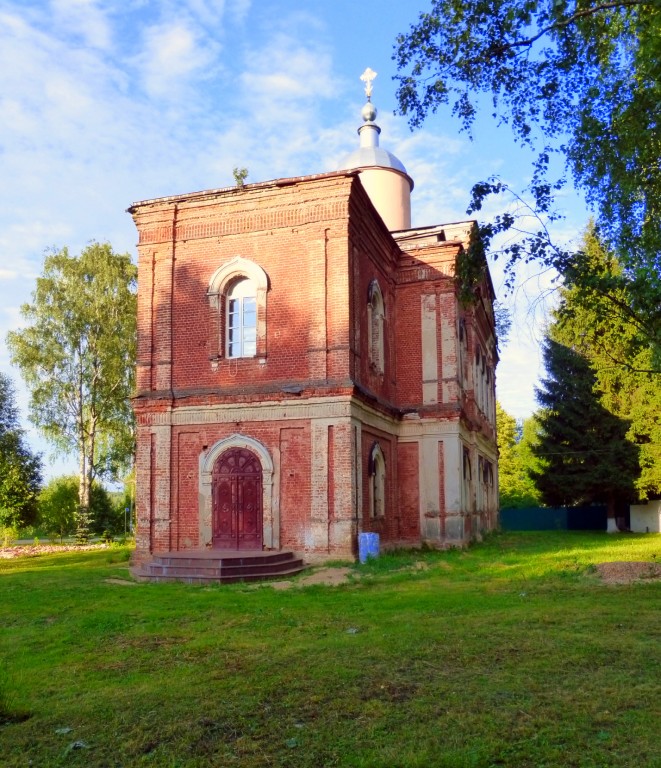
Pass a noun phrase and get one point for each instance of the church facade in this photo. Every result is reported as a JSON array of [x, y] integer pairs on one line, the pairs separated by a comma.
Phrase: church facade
[[307, 370]]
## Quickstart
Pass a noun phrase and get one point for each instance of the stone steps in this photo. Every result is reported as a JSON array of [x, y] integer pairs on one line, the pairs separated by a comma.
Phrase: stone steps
[[216, 566]]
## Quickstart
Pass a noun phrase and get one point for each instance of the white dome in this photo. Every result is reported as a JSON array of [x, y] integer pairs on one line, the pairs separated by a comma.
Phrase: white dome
[[369, 154], [368, 157]]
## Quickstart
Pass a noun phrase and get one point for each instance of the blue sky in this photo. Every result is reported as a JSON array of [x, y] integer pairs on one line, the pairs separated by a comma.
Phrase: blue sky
[[106, 102]]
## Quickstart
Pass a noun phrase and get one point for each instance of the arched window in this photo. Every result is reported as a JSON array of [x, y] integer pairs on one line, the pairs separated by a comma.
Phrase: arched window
[[468, 474], [375, 327], [477, 384], [482, 381], [237, 299], [241, 319], [463, 359], [377, 485], [490, 394], [480, 484], [467, 484]]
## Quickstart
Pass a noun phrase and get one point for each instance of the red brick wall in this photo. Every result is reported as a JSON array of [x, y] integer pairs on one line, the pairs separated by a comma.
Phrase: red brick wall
[[441, 486], [185, 460], [408, 489], [374, 257], [423, 272], [409, 347], [402, 519], [298, 235], [294, 486]]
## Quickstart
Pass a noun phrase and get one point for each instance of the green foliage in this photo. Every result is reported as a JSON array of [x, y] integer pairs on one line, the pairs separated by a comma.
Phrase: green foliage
[[8, 535], [106, 516], [77, 357], [581, 83], [515, 459], [583, 450], [604, 330], [59, 508], [471, 267], [20, 469], [503, 320], [240, 176], [58, 504]]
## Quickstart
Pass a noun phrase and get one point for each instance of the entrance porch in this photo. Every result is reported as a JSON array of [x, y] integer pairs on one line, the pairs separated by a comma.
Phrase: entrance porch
[[212, 566]]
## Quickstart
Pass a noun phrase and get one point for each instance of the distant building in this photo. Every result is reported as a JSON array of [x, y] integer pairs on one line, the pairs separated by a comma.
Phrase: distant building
[[306, 370]]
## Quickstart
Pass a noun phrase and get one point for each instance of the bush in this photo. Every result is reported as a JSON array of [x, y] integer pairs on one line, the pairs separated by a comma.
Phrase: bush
[[58, 505], [8, 535]]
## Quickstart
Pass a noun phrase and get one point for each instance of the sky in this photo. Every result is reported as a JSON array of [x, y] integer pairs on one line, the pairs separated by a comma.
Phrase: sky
[[107, 102]]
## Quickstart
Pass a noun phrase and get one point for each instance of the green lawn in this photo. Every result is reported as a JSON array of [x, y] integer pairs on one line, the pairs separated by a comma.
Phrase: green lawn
[[511, 653]]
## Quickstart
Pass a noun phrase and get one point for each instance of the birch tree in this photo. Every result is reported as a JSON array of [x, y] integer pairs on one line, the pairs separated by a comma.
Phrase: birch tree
[[76, 354]]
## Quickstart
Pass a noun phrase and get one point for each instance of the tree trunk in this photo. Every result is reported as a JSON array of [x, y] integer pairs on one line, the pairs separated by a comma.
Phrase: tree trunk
[[611, 522], [83, 513]]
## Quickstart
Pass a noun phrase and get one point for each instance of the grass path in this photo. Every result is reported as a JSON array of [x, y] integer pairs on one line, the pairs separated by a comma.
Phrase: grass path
[[512, 653]]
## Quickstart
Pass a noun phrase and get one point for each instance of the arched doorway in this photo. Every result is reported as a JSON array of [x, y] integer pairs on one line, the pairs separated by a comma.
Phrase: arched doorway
[[237, 500]]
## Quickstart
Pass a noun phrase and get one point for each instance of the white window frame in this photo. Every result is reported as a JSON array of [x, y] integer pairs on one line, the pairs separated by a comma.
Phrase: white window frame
[[220, 285], [241, 336]]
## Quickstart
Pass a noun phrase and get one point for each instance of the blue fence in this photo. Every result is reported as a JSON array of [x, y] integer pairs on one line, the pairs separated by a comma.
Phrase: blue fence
[[592, 518]]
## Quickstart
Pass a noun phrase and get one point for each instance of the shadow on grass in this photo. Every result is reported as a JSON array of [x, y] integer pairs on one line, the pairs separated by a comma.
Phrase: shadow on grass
[[517, 555]]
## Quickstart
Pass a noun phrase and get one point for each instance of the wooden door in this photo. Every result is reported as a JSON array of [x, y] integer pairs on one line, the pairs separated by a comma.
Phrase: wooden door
[[237, 500]]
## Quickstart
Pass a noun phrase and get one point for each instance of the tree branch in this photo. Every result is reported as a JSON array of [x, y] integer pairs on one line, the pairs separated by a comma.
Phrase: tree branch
[[566, 22]]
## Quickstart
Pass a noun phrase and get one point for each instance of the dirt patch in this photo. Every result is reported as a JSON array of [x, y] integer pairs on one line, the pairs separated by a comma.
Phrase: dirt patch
[[330, 577], [628, 572], [333, 577]]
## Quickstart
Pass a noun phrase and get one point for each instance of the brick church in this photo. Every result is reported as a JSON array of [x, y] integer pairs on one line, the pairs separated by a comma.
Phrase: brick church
[[307, 371]]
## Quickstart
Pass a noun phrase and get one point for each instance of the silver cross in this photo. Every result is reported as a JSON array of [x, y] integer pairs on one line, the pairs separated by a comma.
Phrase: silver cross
[[367, 77]]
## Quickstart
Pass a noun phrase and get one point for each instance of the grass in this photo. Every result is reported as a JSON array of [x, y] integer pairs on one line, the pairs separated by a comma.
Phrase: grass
[[511, 653]]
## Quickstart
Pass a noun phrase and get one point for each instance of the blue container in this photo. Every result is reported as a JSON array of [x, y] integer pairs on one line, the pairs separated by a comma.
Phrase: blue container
[[368, 546]]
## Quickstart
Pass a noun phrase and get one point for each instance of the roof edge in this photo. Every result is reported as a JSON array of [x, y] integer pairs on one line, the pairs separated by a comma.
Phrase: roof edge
[[273, 183]]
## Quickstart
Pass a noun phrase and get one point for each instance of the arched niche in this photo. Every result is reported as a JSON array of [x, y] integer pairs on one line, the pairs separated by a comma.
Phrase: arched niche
[[271, 520]]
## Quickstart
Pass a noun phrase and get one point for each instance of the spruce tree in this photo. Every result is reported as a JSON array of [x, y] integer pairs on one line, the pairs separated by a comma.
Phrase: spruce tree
[[607, 334], [583, 449]]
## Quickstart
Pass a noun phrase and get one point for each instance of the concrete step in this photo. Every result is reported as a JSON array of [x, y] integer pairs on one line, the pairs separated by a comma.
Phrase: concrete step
[[203, 569], [191, 578], [208, 567], [215, 560]]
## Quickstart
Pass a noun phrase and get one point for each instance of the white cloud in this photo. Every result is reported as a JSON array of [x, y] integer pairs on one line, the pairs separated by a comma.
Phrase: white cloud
[[54, 97], [173, 54], [84, 19], [208, 11], [274, 124], [284, 70]]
